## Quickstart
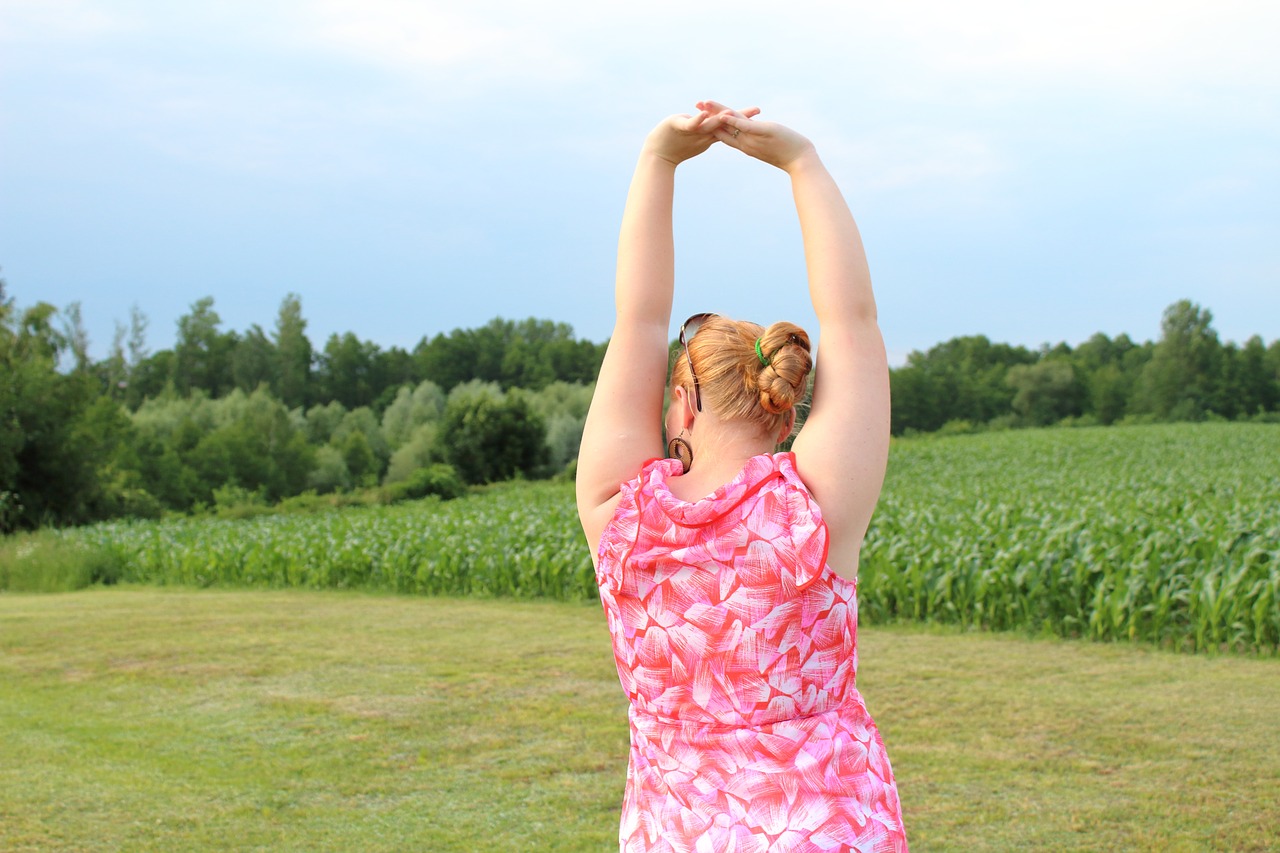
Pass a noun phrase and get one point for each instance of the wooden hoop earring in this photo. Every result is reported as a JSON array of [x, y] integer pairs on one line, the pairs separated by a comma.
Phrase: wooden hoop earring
[[678, 448]]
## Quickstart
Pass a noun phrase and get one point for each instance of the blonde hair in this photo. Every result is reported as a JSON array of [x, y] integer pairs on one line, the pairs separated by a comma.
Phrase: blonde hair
[[734, 382]]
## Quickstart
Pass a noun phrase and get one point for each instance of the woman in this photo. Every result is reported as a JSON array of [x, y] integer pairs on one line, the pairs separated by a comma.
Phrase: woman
[[728, 572]]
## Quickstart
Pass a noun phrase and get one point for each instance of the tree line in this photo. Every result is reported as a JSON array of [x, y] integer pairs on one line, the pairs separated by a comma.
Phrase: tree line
[[526, 354], [225, 418], [971, 383]]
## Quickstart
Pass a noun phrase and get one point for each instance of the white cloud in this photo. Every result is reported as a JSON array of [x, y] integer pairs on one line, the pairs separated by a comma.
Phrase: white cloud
[[42, 21], [432, 40], [1124, 43]]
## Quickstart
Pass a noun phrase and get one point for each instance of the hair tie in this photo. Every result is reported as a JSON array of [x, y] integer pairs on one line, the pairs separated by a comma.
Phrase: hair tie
[[764, 362]]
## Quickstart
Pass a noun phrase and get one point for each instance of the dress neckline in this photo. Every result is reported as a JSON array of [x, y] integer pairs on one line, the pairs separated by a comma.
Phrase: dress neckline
[[755, 473]]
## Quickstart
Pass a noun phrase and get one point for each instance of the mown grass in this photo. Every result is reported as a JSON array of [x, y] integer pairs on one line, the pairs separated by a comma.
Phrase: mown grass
[[144, 719]]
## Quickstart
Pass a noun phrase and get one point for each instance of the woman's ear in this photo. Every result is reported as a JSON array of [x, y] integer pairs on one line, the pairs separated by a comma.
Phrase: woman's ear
[[683, 406], [788, 424]]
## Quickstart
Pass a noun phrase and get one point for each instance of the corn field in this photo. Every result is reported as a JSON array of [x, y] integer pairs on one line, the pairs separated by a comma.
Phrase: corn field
[[1164, 533], [516, 540], [1167, 534]]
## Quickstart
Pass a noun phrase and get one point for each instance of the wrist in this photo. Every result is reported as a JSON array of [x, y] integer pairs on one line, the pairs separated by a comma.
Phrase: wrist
[[655, 157], [806, 160]]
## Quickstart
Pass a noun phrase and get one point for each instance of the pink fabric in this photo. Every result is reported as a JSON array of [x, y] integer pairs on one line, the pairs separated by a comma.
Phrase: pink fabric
[[736, 645]]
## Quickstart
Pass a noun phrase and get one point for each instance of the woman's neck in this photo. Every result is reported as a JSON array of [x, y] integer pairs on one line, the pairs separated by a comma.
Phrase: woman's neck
[[720, 451]]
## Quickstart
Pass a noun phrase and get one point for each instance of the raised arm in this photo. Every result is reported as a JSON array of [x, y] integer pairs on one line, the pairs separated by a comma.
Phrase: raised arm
[[843, 448], [624, 425]]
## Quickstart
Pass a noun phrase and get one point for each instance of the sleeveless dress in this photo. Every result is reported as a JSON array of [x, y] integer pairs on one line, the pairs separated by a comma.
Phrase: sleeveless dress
[[736, 644]]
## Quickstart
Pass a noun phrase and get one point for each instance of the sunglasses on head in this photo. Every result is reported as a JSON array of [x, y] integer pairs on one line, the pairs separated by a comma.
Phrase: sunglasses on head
[[691, 326]]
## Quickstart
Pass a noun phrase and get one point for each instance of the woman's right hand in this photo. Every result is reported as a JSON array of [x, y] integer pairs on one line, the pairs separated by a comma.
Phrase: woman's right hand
[[767, 141]]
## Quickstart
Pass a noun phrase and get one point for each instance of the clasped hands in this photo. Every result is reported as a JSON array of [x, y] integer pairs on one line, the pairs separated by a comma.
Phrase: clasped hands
[[680, 137]]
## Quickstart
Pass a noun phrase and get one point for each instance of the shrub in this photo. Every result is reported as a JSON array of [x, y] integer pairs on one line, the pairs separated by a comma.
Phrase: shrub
[[44, 561], [959, 426], [439, 479], [331, 473], [232, 501], [490, 439], [421, 450]]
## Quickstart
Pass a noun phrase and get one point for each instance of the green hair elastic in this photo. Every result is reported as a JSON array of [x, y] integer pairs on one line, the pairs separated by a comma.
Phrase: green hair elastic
[[764, 362]]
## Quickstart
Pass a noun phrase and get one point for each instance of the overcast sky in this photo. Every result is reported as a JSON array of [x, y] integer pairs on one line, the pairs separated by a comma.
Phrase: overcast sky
[[1032, 172]]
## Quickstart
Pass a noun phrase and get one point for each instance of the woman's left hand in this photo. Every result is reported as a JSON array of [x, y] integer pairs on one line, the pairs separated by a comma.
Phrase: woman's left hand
[[680, 137]]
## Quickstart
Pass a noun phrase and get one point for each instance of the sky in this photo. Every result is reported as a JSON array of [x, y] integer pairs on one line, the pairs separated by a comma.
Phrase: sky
[[1032, 172]]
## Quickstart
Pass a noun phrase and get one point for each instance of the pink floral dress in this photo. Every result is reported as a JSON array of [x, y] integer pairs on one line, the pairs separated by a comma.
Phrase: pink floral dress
[[736, 645]]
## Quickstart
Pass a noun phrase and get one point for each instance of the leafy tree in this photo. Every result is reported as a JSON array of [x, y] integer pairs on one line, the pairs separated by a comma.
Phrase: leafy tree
[[166, 416], [137, 336], [527, 354], [202, 355], [115, 369], [359, 458], [1105, 381], [423, 448], [961, 379], [442, 359], [76, 336], [150, 378], [489, 438], [257, 448], [358, 437], [346, 371], [916, 400], [1045, 392], [411, 408], [563, 408], [107, 436], [564, 436], [1256, 388], [1177, 384], [330, 473], [49, 461], [393, 368], [1108, 393], [293, 353], [190, 447], [162, 471], [254, 361], [323, 421]]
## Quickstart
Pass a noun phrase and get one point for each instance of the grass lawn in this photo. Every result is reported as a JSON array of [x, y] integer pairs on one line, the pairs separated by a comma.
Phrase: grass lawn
[[144, 719]]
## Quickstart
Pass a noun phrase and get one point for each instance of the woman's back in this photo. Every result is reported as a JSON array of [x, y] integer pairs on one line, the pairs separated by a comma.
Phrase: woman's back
[[724, 611], [736, 645]]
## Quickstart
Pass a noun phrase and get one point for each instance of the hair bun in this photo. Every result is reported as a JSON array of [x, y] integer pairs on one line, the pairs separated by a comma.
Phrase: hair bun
[[783, 380]]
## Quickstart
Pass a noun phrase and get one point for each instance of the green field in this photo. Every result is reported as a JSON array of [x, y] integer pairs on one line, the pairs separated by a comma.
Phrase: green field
[[174, 720], [1166, 534]]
